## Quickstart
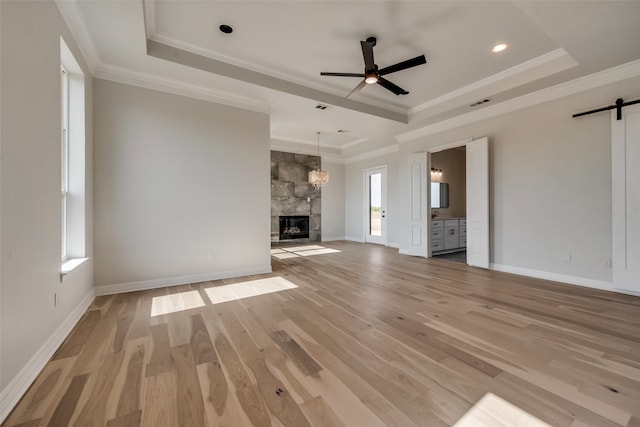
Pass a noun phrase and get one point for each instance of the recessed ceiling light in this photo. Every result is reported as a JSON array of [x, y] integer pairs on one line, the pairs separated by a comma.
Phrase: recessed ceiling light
[[227, 29], [499, 47]]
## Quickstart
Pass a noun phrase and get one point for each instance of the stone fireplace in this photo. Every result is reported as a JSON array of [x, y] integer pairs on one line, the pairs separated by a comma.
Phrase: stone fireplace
[[293, 197]]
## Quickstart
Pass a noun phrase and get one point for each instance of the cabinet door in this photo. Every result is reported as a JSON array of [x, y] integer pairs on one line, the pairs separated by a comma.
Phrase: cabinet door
[[451, 240]]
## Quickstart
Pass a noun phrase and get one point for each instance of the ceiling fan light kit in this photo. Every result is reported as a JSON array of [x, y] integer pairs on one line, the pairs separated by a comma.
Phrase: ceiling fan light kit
[[373, 75]]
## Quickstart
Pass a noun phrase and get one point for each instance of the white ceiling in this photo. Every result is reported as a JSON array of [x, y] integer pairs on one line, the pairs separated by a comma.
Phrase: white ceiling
[[273, 59]]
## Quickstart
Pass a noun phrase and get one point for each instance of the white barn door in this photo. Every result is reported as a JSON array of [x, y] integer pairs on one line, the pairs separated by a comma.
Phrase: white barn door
[[625, 210], [478, 203]]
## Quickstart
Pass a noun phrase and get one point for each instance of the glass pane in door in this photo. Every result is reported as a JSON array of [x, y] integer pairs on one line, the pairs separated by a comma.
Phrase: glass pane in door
[[375, 204]]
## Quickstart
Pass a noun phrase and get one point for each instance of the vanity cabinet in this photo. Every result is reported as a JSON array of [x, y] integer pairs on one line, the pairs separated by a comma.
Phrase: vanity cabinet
[[437, 235], [448, 235], [451, 236]]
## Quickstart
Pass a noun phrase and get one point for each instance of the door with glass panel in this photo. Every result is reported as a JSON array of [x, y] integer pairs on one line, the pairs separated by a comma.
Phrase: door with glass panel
[[376, 205]]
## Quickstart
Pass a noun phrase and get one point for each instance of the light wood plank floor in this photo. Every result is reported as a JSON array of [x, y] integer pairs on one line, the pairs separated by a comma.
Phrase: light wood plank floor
[[362, 337]]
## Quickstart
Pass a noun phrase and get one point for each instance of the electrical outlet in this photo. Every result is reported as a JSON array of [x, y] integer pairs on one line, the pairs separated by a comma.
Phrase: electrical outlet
[[210, 256], [568, 258]]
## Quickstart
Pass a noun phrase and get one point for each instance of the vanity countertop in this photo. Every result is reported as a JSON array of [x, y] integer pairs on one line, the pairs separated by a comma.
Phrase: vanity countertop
[[440, 218]]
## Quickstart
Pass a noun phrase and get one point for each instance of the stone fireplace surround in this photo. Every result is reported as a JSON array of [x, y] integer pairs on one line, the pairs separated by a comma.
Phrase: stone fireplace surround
[[291, 193]]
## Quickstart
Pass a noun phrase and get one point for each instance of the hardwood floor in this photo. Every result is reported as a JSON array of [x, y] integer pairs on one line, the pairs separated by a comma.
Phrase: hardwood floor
[[360, 337]]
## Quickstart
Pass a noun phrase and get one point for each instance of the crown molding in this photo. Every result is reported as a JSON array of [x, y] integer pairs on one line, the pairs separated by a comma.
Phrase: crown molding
[[525, 72], [308, 150], [73, 18], [373, 154], [149, 81], [303, 142], [591, 81], [354, 143]]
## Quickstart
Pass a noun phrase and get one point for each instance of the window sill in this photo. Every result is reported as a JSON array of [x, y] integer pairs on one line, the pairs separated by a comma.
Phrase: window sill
[[69, 265]]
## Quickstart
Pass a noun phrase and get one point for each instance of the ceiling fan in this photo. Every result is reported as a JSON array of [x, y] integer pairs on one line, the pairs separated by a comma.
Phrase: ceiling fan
[[373, 75]]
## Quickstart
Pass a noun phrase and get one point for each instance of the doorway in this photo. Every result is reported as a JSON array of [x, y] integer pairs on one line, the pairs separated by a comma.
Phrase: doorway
[[448, 204], [477, 200], [375, 205], [476, 223]]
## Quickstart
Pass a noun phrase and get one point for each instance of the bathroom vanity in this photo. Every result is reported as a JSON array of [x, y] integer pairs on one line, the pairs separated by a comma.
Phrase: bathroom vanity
[[448, 235]]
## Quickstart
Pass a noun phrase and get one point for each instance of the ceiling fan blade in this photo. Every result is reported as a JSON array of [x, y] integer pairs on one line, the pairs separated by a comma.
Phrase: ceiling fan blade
[[342, 74], [367, 52], [357, 89], [390, 86], [413, 62]]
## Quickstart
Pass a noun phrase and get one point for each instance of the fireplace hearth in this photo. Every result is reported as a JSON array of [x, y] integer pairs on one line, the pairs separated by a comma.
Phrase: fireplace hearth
[[294, 227]]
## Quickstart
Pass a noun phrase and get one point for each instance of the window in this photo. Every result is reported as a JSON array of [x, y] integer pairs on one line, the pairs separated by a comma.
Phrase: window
[[72, 161], [64, 161]]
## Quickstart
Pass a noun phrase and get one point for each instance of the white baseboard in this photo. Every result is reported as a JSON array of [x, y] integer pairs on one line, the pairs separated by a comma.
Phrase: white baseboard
[[333, 239], [564, 278], [18, 386], [354, 239], [412, 252], [143, 285], [393, 245]]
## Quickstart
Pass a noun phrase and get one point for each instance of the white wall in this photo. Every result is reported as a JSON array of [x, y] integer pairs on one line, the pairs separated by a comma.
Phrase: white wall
[[177, 179], [30, 194], [333, 200], [550, 185]]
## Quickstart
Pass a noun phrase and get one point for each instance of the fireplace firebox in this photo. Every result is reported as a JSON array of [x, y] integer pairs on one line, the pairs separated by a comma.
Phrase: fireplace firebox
[[294, 227]]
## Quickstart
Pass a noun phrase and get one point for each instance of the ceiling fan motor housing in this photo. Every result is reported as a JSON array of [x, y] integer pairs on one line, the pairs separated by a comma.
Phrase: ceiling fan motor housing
[[373, 75]]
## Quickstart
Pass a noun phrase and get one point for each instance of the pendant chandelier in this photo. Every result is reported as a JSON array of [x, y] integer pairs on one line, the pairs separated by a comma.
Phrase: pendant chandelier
[[318, 177]]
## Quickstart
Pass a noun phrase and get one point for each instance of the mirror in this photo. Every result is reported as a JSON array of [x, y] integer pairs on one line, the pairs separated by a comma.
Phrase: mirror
[[439, 195]]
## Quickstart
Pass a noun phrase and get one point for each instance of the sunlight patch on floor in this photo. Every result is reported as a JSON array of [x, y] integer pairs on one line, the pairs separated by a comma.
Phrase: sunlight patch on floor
[[300, 251], [317, 252], [493, 411], [173, 303], [236, 291]]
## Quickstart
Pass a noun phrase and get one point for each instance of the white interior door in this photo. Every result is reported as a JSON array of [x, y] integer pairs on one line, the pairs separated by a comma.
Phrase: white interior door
[[625, 209], [478, 203], [376, 205], [418, 165]]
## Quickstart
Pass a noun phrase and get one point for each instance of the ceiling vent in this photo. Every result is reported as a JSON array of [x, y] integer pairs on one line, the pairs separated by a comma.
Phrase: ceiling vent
[[321, 107], [483, 101]]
